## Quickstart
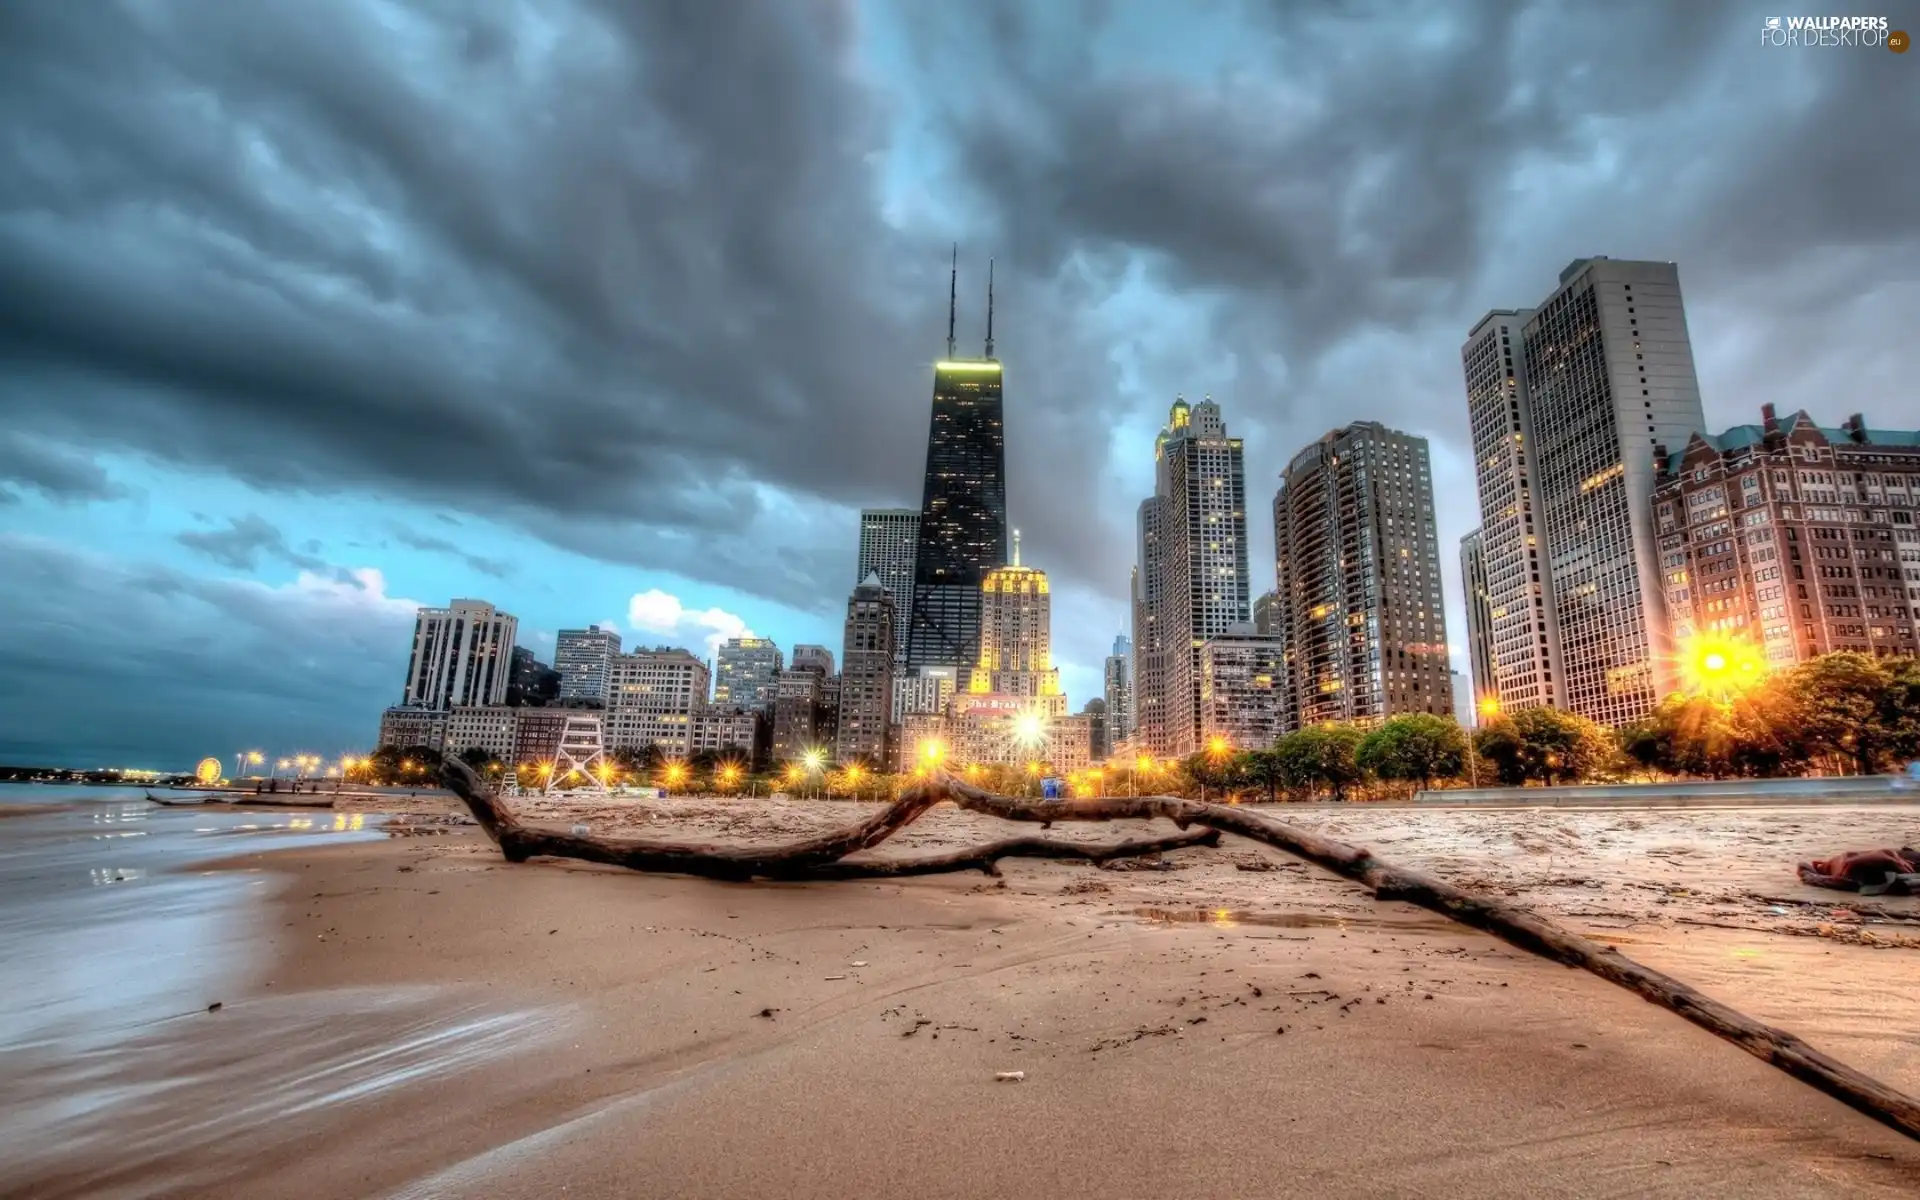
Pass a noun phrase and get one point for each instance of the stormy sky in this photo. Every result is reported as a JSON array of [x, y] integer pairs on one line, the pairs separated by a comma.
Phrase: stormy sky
[[618, 311]]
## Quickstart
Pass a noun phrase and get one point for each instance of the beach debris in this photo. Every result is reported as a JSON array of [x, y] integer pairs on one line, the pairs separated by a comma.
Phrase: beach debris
[[581, 831], [824, 856], [216, 1006], [767, 1013], [831, 978], [1009, 1076], [859, 964]]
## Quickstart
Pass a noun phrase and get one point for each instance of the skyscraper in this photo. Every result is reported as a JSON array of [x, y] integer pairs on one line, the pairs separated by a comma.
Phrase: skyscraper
[[888, 539], [1149, 656], [1358, 567], [963, 508], [866, 675], [1016, 637], [1473, 579], [747, 674], [1610, 376], [1194, 561], [1118, 690], [584, 658], [1519, 641], [462, 655]]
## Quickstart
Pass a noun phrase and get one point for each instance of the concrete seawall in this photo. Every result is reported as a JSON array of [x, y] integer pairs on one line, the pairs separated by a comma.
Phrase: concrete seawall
[[1852, 789]]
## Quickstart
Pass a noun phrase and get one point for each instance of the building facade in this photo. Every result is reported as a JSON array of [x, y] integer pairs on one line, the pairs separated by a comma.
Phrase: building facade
[[1609, 377], [747, 674], [1245, 699], [536, 734], [921, 738], [1117, 689], [1358, 569], [926, 691], [735, 733], [404, 727], [530, 682], [865, 711], [1521, 633], [1473, 580], [652, 697], [797, 716], [889, 539], [963, 507], [1100, 743], [1796, 539], [462, 655], [1193, 555], [490, 728], [1016, 637], [584, 658]]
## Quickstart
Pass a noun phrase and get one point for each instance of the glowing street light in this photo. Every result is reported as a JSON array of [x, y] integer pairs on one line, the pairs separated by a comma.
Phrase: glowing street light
[[932, 751], [1217, 746], [729, 775], [1489, 706], [1030, 728], [1721, 667], [676, 774]]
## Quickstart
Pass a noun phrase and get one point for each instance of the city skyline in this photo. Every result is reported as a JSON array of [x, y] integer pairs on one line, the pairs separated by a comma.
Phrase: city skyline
[[277, 437]]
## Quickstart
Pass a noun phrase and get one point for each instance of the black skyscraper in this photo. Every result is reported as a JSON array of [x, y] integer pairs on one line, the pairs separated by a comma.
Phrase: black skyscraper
[[963, 510]]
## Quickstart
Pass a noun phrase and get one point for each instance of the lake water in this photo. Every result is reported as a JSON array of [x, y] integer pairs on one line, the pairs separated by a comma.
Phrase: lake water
[[114, 940]]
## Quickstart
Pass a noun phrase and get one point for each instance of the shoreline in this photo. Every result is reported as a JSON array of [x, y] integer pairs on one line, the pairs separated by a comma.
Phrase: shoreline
[[628, 1053]]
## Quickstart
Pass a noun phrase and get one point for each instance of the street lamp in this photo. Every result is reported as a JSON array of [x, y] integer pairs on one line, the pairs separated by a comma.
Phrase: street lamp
[[729, 776], [676, 773]]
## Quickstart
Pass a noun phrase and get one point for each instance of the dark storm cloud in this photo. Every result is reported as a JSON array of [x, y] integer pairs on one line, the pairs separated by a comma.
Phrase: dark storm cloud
[[243, 541], [180, 665], [620, 275], [627, 283], [486, 566], [53, 470]]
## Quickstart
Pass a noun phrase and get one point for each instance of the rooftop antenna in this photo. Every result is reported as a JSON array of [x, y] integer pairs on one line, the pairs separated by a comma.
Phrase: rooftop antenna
[[990, 313], [953, 284], [1016, 544]]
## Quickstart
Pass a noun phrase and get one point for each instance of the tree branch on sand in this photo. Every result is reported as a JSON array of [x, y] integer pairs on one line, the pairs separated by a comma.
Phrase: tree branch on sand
[[823, 857]]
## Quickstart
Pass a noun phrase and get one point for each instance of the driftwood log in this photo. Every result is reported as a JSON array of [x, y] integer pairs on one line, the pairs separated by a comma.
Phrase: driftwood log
[[247, 800], [822, 857]]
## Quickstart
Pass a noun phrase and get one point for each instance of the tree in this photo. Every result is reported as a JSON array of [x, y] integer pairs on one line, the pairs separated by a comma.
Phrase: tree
[[1413, 747], [1642, 744], [476, 758], [1322, 756], [1842, 702], [1263, 769], [1543, 744], [637, 760]]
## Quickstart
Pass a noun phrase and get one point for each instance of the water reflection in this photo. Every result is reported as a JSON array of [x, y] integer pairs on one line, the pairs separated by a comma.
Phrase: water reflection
[[112, 949]]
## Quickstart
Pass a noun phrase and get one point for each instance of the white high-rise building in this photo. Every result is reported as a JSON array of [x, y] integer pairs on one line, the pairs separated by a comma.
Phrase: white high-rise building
[[1519, 644], [1193, 566], [889, 538], [462, 655], [1609, 377], [584, 658]]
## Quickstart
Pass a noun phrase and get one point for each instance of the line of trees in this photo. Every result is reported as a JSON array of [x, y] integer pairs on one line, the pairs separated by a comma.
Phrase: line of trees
[[1839, 713]]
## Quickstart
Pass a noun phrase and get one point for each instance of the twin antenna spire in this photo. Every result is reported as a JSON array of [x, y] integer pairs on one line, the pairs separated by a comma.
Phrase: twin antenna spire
[[953, 304]]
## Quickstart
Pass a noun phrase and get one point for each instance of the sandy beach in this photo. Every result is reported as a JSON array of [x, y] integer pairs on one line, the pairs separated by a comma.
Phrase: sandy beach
[[1234, 1025]]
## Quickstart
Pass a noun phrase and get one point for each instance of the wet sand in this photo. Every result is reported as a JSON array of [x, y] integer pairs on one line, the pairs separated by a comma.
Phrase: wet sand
[[1236, 1026]]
